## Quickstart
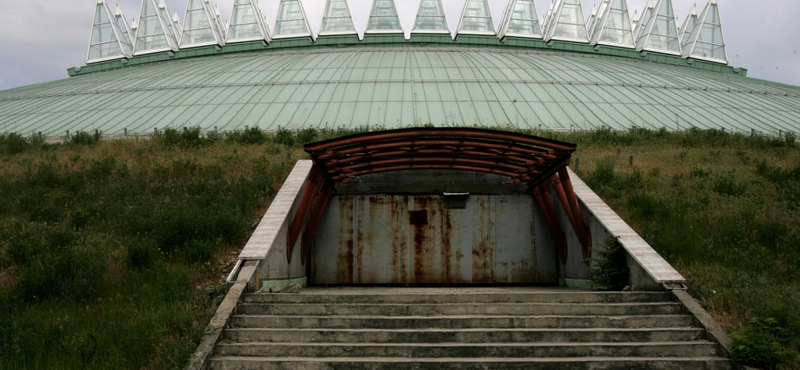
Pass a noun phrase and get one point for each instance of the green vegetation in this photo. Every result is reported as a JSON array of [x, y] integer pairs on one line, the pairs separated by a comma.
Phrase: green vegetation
[[611, 271], [112, 253]]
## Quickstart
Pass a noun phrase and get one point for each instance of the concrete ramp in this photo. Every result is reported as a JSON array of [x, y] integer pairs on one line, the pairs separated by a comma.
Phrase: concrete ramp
[[464, 328]]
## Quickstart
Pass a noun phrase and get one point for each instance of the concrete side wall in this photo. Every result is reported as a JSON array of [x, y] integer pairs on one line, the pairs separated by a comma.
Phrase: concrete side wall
[[418, 239], [649, 271], [268, 243]]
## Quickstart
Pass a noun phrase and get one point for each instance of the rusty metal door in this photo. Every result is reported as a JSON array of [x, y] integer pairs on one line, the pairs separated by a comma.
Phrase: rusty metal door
[[413, 239]]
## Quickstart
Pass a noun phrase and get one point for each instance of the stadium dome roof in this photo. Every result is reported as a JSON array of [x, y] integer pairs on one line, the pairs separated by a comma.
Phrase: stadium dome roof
[[517, 79]]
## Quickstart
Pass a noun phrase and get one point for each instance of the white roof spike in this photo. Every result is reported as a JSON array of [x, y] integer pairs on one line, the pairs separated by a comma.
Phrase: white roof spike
[[660, 34], [292, 21], [222, 28], [198, 26], [590, 21], [548, 17], [383, 18], [122, 23], [107, 41], [176, 36], [176, 22], [337, 19], [613, 26], [707, 40], [476, 19], [688, 26], [247, 23], [431, 18], [153, 33], [521, 20], [567, 22], [637, 34]]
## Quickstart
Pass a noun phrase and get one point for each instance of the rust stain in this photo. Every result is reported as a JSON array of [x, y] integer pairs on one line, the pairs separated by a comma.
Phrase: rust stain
[[482, 249], [344, 256]]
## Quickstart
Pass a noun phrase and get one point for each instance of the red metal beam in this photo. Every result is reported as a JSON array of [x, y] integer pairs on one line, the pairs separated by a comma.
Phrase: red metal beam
[[577, 225], [341, 177], [430, 160], [457, 132], [545, 203], [586, 244], [312, 186], [317, 212]]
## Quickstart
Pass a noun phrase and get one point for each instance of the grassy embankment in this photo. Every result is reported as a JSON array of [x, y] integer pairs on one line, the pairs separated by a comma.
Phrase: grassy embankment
[[112, 253]]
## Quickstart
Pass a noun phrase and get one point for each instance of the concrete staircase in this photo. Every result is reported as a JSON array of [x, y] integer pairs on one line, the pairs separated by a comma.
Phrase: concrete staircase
[[469, 328]]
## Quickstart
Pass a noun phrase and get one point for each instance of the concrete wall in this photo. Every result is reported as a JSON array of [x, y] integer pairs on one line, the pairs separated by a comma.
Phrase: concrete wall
[[417, 239]]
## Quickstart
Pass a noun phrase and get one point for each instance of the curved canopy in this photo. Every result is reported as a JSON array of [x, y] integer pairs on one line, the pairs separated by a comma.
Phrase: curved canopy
[[522, 158]]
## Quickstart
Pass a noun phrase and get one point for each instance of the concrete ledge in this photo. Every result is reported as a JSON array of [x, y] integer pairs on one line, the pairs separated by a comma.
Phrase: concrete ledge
[[265, 235], [644, 255], [213, 331], [714, 330]]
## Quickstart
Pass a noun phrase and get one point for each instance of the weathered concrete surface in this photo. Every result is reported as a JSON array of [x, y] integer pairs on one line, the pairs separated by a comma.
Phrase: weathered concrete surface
[[464, 328], [658, 270], [215, 328], [714, 330], [268, 242], [417, 239]]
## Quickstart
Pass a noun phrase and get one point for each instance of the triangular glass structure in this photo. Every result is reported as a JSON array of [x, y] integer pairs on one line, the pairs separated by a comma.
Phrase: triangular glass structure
[[153, 33], [222, 27], [642, 24], [383, 18], [170, 29], [592, 19], [292, 21], [247, 23], [548, 18], [521, 20], [688, 26], [707, 40], [567, 22], [176, 23], [337, 19], [107, 41], [122, 24], [476, 19], [661, 31], [431, 18], [614, 25], [198, 26]]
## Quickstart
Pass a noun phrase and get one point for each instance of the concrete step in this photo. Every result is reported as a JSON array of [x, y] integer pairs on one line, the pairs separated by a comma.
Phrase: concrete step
[[466, 350], [463, 321], [390, 309], [393, 363], [463, 335], [461, 296]]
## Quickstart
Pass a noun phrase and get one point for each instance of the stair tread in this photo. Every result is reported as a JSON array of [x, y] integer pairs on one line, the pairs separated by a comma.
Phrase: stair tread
[[417, 317], [499, 344], [464, 359], [429, 330]]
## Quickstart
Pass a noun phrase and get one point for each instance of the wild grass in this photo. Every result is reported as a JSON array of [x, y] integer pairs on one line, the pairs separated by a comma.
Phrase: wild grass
[[109, 250]]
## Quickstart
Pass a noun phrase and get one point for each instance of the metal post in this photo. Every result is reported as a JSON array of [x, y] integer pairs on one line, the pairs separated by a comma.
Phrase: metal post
[[631, 161], [126, 131], [67, 134], [577, 164]]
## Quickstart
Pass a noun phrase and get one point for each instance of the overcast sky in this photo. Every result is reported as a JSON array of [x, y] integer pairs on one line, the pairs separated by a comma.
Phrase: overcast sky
[[39, 40]]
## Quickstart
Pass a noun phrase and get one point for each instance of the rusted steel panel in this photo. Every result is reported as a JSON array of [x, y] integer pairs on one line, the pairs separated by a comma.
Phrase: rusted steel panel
[[415, 239]]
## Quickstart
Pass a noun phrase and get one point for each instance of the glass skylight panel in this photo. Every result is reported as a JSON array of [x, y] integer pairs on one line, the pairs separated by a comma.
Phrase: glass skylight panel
[[431, 18], [707, 40], [176, 23], [247, 23], [521, 20], [291, 20], [568, 22], [688, 26], [198, 28], [648, 12], [592, 19], [337, 19], [169, 28], [383, 18], [220, 25], [614, 25], [476, 19], [151, 35], [661, 32], [122, 24], [107, 41]]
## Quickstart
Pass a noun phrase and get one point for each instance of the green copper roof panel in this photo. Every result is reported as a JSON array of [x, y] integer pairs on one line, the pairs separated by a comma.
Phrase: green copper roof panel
[[400, 86]]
